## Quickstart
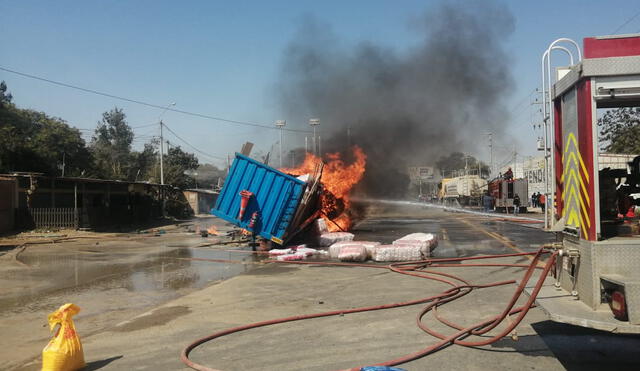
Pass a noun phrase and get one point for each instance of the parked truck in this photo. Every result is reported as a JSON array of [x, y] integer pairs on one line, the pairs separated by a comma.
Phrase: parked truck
[[465, 190], [593, 210]]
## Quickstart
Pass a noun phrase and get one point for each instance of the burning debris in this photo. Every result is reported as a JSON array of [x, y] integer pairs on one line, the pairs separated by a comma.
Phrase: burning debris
[[312, 207], [280, 205], [213, 231], [337, 180]]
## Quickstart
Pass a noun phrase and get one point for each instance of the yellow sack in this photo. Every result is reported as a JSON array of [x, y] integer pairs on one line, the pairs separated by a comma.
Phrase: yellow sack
[[64, 351]]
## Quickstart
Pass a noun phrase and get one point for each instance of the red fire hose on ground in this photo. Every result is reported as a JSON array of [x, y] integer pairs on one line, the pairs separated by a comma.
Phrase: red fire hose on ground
[[418, 269]]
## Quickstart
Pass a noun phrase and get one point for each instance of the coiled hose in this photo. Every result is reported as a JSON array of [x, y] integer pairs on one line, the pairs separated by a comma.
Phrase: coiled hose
[[417, 269]]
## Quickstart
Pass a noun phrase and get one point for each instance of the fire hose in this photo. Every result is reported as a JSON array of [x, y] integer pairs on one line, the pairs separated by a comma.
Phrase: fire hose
[[417, 269]]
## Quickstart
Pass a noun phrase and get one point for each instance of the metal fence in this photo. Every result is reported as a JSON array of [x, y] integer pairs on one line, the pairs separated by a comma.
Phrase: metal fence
[[63, 218]]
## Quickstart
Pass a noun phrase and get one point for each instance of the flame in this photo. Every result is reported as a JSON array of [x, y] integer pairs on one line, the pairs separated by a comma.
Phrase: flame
[[213, 230], [338, 179]]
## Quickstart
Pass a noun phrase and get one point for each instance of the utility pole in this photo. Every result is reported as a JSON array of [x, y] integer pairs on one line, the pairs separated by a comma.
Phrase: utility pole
[[161, 155], [515, 160], [466, 164], [314, 123], [490, 134], [281, 124], [162, 142]]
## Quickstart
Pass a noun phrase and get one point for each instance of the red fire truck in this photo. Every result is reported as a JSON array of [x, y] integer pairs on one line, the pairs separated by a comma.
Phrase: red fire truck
[[597, 281], [504, 190]]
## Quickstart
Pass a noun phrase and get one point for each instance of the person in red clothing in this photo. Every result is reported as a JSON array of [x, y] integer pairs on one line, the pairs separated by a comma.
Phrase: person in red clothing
[[542, 201], [508, 175]]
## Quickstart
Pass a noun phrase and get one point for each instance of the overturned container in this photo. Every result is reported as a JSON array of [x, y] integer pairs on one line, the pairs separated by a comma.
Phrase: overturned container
[[260, 199]]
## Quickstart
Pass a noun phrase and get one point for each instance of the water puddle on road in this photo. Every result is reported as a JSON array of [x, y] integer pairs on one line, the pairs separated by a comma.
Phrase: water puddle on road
[[160, 273]]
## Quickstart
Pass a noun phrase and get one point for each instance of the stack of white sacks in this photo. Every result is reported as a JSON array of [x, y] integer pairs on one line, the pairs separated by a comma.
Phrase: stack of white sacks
[[336, 248], [299, 252], [415, 246]]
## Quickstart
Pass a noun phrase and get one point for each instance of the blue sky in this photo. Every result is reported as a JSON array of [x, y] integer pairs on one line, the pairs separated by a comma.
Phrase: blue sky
[[223, 58]]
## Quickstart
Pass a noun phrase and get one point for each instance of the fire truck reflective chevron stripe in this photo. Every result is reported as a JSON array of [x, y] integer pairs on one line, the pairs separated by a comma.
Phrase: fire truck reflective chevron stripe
[[574, 180]]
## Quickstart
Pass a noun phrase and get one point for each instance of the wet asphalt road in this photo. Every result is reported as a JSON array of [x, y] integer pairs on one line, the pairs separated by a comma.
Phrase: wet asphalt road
[[116, 280]]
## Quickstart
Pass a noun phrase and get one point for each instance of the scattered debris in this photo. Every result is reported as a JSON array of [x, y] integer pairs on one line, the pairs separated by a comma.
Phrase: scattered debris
[[276, 252], [320, 226], [290, 257], [299, 252], [213, 231]]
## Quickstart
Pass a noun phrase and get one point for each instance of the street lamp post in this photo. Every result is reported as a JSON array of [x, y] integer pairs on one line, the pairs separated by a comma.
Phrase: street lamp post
[[162, 142], [490, 134], [281, 124], [314, 123], [164, 199]]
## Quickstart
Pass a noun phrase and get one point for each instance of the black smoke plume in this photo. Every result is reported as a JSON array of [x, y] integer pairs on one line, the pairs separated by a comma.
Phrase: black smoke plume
[[404, 108]]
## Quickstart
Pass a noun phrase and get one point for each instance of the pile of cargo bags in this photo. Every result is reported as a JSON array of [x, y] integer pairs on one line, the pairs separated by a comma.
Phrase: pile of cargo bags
[[341, 246]]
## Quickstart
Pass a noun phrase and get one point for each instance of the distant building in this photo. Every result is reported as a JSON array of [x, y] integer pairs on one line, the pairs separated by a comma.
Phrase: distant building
[[201, 201], [29, 200], [425, 178]]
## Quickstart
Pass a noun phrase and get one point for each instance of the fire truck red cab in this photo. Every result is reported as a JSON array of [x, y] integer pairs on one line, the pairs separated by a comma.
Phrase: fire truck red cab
[[598, 270]]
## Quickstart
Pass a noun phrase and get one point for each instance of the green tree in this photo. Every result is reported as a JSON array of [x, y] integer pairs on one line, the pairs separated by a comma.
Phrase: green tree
[[57, 144], [111, 146], [176, 162], [620, 130], [4, 96], [35, 142], [145, 163], [457, 161]]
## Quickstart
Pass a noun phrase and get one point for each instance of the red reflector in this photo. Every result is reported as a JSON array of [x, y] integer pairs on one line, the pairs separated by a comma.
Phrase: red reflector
[[618, 306]]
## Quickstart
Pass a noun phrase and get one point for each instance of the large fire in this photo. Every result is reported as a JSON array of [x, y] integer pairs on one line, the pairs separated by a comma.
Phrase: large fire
[[338, 179]]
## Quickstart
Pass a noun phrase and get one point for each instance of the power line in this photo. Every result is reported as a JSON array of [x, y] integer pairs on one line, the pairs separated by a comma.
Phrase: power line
[[144, 126], [246, 123], [192, 146], [524, 99], [626, 23]]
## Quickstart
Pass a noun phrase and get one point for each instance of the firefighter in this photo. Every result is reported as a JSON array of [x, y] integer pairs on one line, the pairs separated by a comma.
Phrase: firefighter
[[516, 204], [508, 175], [487, 201]]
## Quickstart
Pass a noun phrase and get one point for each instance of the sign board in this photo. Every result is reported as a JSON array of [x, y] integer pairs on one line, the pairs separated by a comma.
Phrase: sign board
[[421, 173]]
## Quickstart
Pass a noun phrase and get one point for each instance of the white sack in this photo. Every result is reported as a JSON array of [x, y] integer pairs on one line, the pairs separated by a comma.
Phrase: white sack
[[396, 253], [328, 239], [334, 249], [356, 253]]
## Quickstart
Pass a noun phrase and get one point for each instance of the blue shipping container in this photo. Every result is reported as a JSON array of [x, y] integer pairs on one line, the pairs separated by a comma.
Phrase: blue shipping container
[[276, 196]]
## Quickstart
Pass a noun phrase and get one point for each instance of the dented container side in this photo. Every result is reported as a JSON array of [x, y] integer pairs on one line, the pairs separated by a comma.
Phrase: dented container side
[[275, 197]]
